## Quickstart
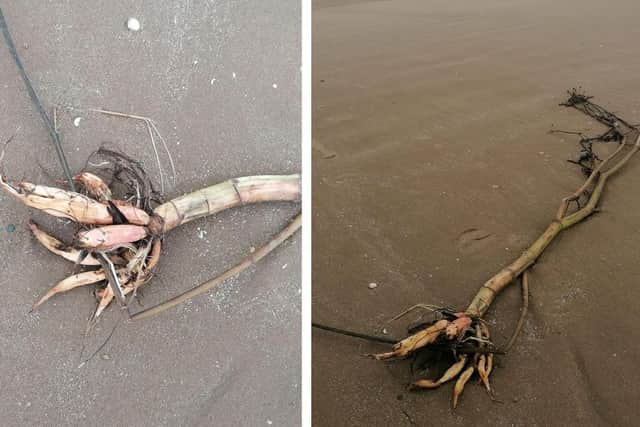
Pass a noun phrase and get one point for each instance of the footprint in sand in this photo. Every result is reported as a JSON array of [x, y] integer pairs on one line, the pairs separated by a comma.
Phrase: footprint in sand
[[323, 151], [472, 240]]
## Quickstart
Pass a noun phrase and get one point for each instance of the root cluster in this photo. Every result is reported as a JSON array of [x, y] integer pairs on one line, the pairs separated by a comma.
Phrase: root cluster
[[121, 232], [465, 337], [114, 232], [448, 333]]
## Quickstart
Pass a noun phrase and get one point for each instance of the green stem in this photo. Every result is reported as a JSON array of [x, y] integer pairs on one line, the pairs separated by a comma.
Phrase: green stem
[[487, 293]]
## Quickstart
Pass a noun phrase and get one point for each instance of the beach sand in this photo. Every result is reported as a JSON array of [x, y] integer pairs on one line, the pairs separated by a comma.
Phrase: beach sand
[[205, 73], [433, 167]]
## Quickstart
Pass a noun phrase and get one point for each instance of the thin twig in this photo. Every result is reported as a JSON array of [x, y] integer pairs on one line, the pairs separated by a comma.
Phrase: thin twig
[[523, 312], [150, 123], [166, 149], [427, 307], [84, 362], [7, 142], [155, 151], [151, 128], [205, 287], [569, 132]]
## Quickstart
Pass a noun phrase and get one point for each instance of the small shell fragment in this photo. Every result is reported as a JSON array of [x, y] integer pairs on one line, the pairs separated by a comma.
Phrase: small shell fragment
[[372, 285], [76, 121], [133, 24]]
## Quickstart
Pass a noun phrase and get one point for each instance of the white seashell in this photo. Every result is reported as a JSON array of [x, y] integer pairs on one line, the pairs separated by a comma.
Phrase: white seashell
[[76, 121], [133, 24]]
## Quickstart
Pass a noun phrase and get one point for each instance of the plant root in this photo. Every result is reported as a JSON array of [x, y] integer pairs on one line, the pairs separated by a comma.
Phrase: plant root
[[468, 327], [106, 297], [71, 282], [70, 205], [111, 236], [94, 185], [124, 237], [453, 371], [415, 341], [57, 247], [484, 364], [459, 387], [141, 271]]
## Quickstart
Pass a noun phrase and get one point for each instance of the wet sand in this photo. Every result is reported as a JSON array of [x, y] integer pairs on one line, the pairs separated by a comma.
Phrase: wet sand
[[431, 119]]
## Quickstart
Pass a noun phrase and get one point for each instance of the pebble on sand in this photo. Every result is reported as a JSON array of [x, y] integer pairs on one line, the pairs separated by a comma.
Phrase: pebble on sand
[[10, 228], [372, 285]]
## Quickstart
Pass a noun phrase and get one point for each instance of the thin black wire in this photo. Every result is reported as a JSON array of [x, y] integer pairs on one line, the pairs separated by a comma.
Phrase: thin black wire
[[36, 101], [353, 334], [462, 349]]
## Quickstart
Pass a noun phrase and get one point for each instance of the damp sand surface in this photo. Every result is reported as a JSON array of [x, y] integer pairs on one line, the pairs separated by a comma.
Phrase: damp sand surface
[[434, 167]]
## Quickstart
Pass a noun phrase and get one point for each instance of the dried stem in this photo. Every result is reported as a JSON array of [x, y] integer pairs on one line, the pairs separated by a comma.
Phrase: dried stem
[[151, 128], [523, 312], [599, 177], [225, 195], [205, 287], [460, 327]]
